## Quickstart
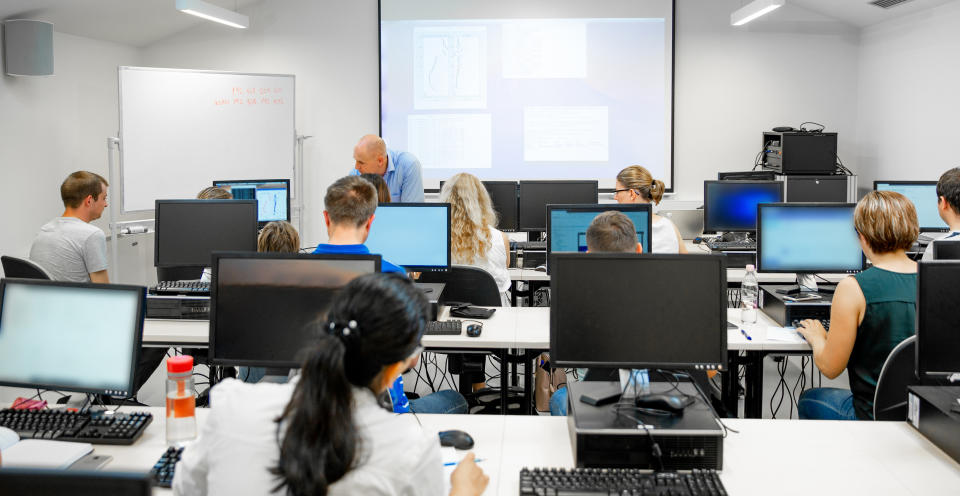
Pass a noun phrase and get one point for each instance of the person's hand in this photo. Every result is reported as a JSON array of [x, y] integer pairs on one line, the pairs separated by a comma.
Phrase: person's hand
[[811, 329], [468, 478]]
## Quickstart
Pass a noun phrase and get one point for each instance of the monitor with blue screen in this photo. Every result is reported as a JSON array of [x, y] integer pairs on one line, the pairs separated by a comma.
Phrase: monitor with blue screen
[[731, 206], [807, 238], [272, 195], [567, 225], [923, 194], [413, 235]]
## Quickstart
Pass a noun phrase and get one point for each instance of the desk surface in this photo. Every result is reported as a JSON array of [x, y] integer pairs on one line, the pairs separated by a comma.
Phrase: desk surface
[[792, 457]]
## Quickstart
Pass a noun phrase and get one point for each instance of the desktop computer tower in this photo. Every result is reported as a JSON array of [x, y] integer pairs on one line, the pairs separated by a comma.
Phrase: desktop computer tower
[[785, 312], [819, 188], [932, 410], [800, 152]]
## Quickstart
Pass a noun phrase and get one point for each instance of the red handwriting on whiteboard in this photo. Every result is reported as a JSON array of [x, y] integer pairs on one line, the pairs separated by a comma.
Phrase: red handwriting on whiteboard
[[248, 96]]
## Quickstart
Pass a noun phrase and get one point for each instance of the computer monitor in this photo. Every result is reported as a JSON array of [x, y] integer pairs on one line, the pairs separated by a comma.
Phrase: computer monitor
[[188, 231], [807, 238], [262, 303], [72, 482], [731, 206], [923, 194], [272, 195], [503, 195], [536, 195], [70, 336], [945, 249], [413, 235], [638, 311], [938, 323], [567, 225]]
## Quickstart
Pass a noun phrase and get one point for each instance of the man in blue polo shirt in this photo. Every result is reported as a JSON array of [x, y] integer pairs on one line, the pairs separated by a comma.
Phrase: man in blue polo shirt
[[400, 170]]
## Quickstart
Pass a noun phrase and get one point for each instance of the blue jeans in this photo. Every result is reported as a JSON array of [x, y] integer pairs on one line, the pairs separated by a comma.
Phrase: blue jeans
[[251, 375], [558, 403], [826, 404], [445, 401]]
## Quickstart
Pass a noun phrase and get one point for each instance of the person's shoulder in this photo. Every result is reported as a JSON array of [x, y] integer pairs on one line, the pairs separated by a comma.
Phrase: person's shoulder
[[389, 267]]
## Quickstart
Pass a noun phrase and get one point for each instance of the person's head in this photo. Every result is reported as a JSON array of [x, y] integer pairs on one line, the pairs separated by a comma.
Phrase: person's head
[[886, 222], [278, 236], [636, 185], [214, 193], [383, 191], [471, 217], [612, 232], [370, 336], [84, 195], [349, 204], [948, 197], [370, 155]]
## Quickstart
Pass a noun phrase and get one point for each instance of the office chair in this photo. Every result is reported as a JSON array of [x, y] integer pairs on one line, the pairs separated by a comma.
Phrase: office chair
[[467, 284], [19, 267], [898, 372], [72, 483], [946, 249]]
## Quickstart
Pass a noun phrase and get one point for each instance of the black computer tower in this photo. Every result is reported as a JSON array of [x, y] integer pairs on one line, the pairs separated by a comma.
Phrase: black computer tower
[[800, 152], [819, 188]]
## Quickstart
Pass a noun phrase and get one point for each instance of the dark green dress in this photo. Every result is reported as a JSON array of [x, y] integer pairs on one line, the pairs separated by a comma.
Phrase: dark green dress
[[890, 317]]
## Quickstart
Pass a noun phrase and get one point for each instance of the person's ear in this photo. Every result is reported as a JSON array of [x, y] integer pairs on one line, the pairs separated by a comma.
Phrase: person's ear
[[369, 223], [639, 248], [326, 218]]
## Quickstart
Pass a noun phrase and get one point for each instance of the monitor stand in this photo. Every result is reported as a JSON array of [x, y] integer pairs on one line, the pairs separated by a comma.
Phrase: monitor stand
[[806, 284]]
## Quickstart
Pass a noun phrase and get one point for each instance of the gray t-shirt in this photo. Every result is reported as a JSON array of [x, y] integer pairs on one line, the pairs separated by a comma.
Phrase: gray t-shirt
[[928, 252], [70, 249]]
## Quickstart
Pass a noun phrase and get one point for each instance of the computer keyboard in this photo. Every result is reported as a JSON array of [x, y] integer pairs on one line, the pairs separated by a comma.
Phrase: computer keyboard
[[529, 245], [629, 481], [825, 322], [96, 427], [742, 245], [444, 327], [194, 288], [162, 471]]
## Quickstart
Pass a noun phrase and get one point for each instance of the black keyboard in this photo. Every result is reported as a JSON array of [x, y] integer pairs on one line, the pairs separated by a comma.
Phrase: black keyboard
[[444, 327], [194, 288], [162, 471], [91, 427], [825, 322], [528, 245], [732, 245], [629, 481]]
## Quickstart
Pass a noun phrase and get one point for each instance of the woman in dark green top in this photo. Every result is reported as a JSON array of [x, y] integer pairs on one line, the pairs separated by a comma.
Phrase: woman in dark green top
[[871, 313]]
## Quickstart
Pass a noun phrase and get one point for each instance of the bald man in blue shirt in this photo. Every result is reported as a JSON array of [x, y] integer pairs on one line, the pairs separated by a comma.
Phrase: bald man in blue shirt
[[400, 170]]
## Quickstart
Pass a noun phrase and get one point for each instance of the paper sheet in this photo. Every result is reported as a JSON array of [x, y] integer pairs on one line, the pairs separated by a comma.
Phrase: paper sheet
[[784, 334], [40, 453]]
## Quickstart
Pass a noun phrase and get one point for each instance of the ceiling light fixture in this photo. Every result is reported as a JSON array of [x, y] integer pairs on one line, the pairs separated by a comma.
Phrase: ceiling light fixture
[[213, 13], [753, 10]]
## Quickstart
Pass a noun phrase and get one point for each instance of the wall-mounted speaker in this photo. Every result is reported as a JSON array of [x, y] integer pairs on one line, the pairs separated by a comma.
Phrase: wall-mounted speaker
[[27, 47]]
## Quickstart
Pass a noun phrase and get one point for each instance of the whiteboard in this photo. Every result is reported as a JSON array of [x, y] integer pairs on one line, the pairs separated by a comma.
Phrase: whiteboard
[[180, 130]]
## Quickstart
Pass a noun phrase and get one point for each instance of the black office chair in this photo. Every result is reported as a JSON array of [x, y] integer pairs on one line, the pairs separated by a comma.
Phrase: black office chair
[[72, 483], [946, 249], [19, 267], [898, 372], [466, 284]]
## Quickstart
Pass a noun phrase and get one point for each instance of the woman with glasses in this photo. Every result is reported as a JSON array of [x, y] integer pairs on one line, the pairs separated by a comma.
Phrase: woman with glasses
[[327, 432], [636, 185]]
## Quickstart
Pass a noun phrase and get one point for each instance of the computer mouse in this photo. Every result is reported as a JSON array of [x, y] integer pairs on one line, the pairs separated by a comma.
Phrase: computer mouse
[[669, 402], [473, 330], [458, 439]]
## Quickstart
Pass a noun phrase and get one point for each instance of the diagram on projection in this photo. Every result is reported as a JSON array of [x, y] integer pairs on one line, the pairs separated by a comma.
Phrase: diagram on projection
[[450, 67]]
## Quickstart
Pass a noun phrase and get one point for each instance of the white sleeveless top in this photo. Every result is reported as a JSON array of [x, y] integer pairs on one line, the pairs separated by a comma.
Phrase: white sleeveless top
[[494, 262], [664, 236]]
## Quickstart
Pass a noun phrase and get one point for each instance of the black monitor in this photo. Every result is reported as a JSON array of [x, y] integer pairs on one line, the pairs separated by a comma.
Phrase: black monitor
[[272, 195], [262, 303], [945, 249], [56, 482], [807, 238], [938, 323], [923, 194], [567, 225], [188, 231], [731, 206], [503, 196], [413, 235], [536, 195], [603, 314], [70, 336]]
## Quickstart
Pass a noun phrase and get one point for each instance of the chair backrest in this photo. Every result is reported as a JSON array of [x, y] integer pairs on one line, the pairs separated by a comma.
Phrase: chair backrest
[[946, 249], [19, 267], [898, 372], [179, 273], [467, 284]]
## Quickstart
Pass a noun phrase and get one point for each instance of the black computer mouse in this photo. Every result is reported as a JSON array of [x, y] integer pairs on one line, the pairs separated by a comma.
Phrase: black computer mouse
[[473, 330], [669, 402], [458, 439]]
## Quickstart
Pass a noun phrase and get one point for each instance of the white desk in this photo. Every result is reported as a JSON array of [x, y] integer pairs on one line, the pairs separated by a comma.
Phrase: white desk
[[791, 457]]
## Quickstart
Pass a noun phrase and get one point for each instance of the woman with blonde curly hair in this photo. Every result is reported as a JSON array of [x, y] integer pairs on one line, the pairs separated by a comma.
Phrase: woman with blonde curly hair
[[474, 238]]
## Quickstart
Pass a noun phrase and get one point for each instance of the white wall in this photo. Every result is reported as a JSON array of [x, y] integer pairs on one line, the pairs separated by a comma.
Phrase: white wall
[[908, 97], [52, 126]]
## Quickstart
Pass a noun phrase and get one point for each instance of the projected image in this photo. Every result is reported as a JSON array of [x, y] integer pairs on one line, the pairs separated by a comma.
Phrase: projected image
[[450, 66]]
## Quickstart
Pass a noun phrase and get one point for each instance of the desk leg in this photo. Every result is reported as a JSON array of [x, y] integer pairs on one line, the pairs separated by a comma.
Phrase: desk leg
[[528, 368], [504, 381], [730, 384], [753, 397]]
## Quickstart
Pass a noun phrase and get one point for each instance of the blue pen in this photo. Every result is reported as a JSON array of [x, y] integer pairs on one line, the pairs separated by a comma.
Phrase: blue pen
[[450, 464], [746, 335]]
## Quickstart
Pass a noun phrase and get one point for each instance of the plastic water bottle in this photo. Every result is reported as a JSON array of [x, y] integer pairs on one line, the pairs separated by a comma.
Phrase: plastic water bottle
[[749, 296], [181, 402]]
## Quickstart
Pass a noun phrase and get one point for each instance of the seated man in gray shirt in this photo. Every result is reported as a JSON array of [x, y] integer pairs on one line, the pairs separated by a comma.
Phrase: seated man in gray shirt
[[69, 248]]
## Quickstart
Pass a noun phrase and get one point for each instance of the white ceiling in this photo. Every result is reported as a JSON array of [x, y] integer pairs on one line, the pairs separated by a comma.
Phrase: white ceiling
[[141, 22]]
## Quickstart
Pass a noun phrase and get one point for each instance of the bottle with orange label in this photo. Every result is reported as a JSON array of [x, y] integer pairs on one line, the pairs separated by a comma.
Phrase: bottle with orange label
[[181, 402]]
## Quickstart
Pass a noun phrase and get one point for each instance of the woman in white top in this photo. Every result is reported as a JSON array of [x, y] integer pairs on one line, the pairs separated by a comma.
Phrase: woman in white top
[[474, 238], [636, 185], [332, 437]]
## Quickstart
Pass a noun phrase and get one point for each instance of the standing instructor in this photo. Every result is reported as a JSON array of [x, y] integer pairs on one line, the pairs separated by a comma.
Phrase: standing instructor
[[400, 170]]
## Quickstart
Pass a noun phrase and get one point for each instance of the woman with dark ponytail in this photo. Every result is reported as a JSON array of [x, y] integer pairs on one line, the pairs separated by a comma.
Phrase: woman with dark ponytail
[[635, 184], [332, 436]]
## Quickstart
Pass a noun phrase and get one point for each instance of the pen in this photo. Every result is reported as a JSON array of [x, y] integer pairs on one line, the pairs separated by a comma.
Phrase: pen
[[450, 464], [746, 335]]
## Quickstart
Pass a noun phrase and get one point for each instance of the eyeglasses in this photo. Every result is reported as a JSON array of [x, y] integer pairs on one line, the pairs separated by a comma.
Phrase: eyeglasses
[[619, 190]]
